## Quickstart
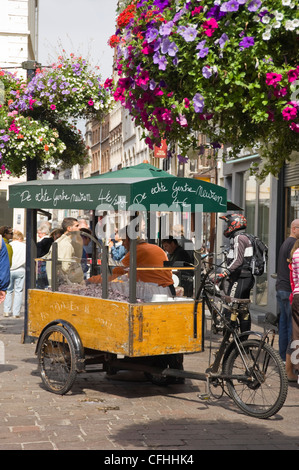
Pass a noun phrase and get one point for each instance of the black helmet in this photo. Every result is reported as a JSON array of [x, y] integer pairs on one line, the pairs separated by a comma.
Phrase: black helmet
[[234, 222]]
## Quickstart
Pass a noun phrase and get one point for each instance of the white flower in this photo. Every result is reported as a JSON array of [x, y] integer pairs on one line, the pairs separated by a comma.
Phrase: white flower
[[289, 25], [267, 35], [286, 3], [278, 15], [266, 19], [277, 24]]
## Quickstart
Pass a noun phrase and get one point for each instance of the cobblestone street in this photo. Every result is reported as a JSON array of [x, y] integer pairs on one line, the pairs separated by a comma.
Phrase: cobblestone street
[[118, 415]]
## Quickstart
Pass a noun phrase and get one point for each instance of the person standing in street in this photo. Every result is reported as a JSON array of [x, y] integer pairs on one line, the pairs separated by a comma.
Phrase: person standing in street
[[70, 250], [292, 368], [7, 233], [17, 277], [283, 290], [4, 270]]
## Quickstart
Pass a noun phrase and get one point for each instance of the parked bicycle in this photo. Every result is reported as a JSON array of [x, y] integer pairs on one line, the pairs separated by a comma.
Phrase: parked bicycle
[[250, 368]]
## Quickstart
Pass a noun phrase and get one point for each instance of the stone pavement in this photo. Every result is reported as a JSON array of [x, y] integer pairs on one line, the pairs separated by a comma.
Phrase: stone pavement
[[118, 415]]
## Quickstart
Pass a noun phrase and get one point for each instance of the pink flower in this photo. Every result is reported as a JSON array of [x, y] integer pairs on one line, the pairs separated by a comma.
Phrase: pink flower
[[209, 26], [143, 78], [108, 83], [52, 107], [90, 102], [289, 113], [196, 10], [294, 127], [182, 120], [149, 142], [273, 78], [186, 103], [281, 92], [293, 74]]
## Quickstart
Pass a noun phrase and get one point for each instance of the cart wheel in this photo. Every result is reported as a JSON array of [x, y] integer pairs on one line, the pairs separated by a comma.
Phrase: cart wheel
[[57, 359], [157, 379]]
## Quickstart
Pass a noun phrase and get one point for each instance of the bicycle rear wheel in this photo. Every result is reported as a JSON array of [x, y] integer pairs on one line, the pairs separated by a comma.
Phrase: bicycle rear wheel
[[264, 395]]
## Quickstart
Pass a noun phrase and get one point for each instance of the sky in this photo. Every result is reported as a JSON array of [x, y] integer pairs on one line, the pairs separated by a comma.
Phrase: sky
[[82, 27]]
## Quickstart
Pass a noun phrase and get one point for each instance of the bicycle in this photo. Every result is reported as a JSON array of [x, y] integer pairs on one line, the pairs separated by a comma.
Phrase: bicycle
[[250, 368], [213, 296]]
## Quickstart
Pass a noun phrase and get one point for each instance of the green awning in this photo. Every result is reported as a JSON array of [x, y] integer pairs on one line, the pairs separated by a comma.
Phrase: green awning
[[144, 170], [115, 192]]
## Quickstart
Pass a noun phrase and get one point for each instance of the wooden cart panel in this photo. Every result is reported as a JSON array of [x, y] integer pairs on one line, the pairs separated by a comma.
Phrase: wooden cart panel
[[118, 327]]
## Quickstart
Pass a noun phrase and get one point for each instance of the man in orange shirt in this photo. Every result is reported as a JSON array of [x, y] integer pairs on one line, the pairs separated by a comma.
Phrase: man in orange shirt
[[148, 256]]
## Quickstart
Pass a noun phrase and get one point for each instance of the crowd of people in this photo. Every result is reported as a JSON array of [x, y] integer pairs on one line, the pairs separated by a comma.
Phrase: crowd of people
[[74, 249]]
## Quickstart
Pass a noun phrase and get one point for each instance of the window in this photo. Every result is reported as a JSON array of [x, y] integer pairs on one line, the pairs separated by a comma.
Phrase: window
[[292, 200], [263, 234], [257, 211], [250, 203]]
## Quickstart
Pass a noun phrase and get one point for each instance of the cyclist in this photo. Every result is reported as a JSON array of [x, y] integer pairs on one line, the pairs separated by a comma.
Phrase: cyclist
[[238, 271]]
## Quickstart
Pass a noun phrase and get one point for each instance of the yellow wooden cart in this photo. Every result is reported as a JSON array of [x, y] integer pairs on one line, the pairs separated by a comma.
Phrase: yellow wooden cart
[[73, 331]]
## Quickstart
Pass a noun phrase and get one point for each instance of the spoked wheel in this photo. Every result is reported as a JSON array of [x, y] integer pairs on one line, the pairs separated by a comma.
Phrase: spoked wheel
[[57, 360], [266, 391]]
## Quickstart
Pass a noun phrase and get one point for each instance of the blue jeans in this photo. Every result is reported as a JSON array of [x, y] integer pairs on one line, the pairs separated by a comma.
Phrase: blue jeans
[[16, 286], [285, 322]]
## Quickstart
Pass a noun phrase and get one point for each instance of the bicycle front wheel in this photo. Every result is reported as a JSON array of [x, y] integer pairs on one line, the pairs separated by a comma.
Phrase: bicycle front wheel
[[265, 392]]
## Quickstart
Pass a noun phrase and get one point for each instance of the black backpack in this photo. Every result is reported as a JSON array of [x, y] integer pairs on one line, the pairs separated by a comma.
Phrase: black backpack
[[260, 255]]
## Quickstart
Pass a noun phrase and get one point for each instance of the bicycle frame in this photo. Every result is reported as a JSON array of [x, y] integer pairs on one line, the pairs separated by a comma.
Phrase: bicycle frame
[[230, 331]]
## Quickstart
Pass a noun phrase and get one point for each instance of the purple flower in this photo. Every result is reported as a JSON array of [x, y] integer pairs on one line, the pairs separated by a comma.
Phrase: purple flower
[[254, 5], [189, 34], [182, 159], [152, 84], [222, 40], [173, 49], [203, 51], [161, 4], [198, 103], [247, 41], [232, 5], [5, 138], [160, 60], [206, 71], [178, 15], [151, 34], [215, 13], [166, 29], [165, 45]]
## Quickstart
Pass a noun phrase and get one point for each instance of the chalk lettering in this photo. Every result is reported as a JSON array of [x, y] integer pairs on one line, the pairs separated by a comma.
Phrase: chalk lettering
[[25, 196], [159, 188], [43, 196]]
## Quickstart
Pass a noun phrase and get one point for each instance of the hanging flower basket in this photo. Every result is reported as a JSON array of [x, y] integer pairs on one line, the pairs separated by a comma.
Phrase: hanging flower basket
[[68, 88], [35, 118], [22, 138], [228, 69]]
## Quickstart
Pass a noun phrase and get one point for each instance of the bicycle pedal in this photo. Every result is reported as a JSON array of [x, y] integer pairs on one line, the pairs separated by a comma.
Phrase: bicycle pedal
[[204, 396]]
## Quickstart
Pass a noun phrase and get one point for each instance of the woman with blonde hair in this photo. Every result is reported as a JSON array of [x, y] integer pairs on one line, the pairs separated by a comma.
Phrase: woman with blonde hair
[[292, 359]]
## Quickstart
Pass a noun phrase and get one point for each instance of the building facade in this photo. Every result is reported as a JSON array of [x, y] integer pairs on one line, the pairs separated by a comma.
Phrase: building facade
[[269, 207]]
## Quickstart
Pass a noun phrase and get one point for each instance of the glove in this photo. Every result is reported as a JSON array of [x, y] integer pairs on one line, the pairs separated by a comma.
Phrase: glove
[[220, 277]]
